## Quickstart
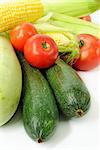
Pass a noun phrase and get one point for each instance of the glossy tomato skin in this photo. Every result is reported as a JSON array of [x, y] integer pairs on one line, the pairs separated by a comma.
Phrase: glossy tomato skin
[[20, 34], [41, 51], [98, 50], [89, 53], [86, 18]]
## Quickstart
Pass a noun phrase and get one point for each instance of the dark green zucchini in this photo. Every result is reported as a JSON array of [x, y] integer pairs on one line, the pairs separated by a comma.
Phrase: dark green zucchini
[[40, 114], [71, 93]]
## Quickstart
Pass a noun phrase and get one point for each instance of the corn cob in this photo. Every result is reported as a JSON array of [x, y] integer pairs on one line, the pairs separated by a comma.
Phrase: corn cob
[[60, 39], [14, 12], [67, 44]]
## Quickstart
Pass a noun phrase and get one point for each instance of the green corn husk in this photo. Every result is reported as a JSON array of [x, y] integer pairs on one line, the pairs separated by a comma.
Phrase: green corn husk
[[13, 12], [67, 42], [76, 8], [64, 30], [64, 23]]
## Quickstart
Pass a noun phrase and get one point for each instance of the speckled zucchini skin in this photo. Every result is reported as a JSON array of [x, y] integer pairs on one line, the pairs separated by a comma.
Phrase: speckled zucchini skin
[[71, 93], [40, 114]]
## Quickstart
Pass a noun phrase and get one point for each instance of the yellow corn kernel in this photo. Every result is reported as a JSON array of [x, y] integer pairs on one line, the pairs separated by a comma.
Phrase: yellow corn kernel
[[14, 12], [59, 38]]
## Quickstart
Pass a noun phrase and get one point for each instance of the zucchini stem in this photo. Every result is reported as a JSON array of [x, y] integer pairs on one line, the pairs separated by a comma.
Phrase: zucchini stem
[[79, 113], [40, 140]]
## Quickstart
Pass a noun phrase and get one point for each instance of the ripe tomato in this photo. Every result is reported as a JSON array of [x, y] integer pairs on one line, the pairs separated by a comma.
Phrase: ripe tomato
[[86, 18], [41, 51], [20, 34], [89, 52], [98, 50]]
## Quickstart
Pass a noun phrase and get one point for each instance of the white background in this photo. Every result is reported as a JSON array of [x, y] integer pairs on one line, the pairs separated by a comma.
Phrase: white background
[[76, 134]]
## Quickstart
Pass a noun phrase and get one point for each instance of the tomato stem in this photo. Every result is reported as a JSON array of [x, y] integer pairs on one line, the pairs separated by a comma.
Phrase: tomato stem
[[45, 45], [81, 43]]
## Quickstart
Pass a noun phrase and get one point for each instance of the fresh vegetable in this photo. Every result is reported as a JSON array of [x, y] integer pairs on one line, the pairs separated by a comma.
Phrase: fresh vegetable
[[40, 114], [5, 34], [71, 7], [14, 12], [30, 10], [98, 50], [86, 18], [71, 93], [41, 51], [67, 44], [61, 39], [55, 22], [89, 52], [98, 43], [10, 81], [20, 34]]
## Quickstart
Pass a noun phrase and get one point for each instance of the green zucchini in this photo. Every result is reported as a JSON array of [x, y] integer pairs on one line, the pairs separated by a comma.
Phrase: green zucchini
[[40, 113], [71, 93], [10, 81]]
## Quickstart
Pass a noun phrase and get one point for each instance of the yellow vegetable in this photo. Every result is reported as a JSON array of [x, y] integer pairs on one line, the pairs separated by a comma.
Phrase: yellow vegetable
[[14, 12], [67, 43], [59, 38]]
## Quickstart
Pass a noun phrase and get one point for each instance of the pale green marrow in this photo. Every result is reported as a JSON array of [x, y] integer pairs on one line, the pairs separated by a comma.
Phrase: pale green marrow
[[10, 81]]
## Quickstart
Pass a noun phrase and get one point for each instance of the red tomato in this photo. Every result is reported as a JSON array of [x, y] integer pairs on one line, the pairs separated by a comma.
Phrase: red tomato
[[89, 52], [86, 18], [98, 50], [20, 34], [41, 51]]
